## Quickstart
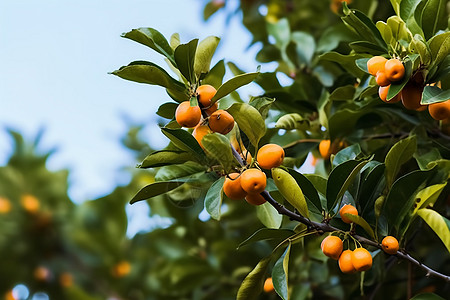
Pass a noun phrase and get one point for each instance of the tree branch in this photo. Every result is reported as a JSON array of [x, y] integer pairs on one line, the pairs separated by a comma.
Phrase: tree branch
[[324, 227]]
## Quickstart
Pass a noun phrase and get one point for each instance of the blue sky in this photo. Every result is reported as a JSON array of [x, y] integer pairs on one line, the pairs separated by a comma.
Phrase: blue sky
[[55, 58]]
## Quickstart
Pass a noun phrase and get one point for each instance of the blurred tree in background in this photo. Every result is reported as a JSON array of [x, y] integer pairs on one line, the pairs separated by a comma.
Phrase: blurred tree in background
[[67, 251]]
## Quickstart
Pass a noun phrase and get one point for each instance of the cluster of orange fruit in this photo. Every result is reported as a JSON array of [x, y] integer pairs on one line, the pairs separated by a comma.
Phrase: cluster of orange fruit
[[387, 71], [252, 182], [360, 259], [218, 120]]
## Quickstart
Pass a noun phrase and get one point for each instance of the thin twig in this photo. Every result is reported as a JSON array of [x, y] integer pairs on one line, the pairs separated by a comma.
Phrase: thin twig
[[324, 227]]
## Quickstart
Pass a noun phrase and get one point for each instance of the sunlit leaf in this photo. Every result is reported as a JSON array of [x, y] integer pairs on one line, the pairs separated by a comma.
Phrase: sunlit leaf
[[249, 120], [155, 189], [439, 224], [290, 190]]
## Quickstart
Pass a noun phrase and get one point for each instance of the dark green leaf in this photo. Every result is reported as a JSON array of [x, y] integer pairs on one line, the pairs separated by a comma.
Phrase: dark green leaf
[[185, 59], [343, 93], [265, 234], [253, 283], [346, 61], [434, 17], [308, 189], [214, 198], [204, 54], [367, 47], [280, 274], [218, 146], [233, 84], [439, 47], [155, 189], [347, 153], [167, 110], [433, 94], [249, 120], [427, 296], [153, 39], [147, 72], [185, 141], [215, 76], [164, 158], [362, 64], [399, 154]]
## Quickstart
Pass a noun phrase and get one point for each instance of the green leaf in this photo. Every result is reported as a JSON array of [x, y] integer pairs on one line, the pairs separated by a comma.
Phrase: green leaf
[[262, 104], [253, 283], [347, 153], [269, 216], [174, 172], [433, 94], [265, 234], [399, 154], [218, 146], [361, 222], [185, 141], [344, 121], [155, 189], [362, 64], [346, 61], [233, 84], [175, 40], [305, 46], [406, 8], [167, 110], [281, 32], [214, 198], [367, 47], [211, 8], [427, 296], [428, 196], [215, 76], [204, 54], [439, 224], [405, 188], [372, 186], [164, 158], [434, 17], [290, 190], [345, 92], [249, 120], [308, 190], [319, 182], [396, 87], [149, 73], [153, 39], [439, 47], [340, 179], [292, 121], [280, 274], [185, 59]]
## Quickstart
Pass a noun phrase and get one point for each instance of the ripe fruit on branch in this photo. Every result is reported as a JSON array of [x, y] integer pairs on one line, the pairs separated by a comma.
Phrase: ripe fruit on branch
[[30, 203], [253, 181], [232, 187], [255, 199], [209, 111], [440, 111], [221, 121], [383, 92], [376, 64], [361, 259], [411, 96], [382, 79], [345, 262], [199, 132], [394, 70], [205, 93], [389, 245], [347, 209], [270, 156], [324, 149], [332, 247], [268, 285], [187, 115]]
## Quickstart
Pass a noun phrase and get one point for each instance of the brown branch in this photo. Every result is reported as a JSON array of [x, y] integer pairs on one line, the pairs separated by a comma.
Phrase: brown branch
[[324, 227]]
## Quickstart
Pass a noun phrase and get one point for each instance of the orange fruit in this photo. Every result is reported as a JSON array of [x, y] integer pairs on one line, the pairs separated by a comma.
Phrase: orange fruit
[[324, 149], [411, 96], [10, 295], [362, 260], [394, 70], [383, 92], [221, 121], [232, 187], [376, 64], [66, 279], [382, 79], [211, 109], [121, 269], [187, 115], [199, 132], [347, 209], [270, 156], [41, 273], [268, 285], [345, 262], [253, 181], [205, 93], [389, 245], [5, 205], [255, 199], [30, 203], [332, 246], [440, 111]]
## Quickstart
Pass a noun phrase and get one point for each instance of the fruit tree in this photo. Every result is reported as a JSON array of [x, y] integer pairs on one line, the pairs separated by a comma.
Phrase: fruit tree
[[366, 91]]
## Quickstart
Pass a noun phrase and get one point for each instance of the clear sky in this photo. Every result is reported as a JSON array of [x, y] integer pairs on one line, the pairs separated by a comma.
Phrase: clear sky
[[55, 58]]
